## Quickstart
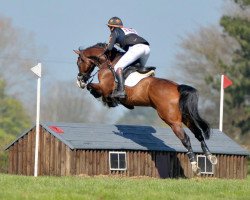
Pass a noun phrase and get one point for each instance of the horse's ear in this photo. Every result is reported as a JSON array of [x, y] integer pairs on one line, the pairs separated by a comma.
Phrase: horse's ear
[[77, 52]]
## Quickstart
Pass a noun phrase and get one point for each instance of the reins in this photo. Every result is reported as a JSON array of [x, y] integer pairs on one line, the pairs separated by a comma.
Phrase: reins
[[98, 64]]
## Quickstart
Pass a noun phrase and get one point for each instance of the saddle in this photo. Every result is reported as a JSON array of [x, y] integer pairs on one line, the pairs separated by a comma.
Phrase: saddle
[[136, 68]]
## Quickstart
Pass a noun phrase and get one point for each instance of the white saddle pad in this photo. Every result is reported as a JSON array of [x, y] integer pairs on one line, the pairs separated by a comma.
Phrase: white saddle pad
[[135, 77]]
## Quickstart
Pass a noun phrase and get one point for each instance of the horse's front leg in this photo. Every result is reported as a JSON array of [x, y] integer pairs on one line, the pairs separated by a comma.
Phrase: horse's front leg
[[95, 89]]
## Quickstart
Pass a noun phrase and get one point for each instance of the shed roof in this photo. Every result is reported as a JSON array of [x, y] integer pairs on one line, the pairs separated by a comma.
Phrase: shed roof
[[135, 137]]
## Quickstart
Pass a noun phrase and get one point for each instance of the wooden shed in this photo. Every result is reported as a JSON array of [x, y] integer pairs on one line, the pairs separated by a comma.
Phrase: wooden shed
[[129, 150]]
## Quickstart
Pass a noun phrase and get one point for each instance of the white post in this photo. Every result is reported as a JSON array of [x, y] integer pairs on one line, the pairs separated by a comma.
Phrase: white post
[[221, 102], [37, 71]]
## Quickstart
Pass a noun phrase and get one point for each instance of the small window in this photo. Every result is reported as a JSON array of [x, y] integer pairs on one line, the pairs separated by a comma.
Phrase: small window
[[205, 165], [117, 160]]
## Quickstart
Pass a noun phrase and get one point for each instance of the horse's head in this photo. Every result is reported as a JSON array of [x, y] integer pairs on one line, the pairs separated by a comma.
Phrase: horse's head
[[87, 60], [85, 67]]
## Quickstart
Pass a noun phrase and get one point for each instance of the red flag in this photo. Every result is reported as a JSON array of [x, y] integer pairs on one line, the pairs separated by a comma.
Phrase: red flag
[[226, 82]]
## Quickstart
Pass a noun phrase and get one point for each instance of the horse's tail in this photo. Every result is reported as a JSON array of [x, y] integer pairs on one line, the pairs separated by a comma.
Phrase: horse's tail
[[189, 108]]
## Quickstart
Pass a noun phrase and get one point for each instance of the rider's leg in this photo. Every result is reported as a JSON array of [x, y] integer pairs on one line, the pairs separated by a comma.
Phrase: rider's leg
[[133, 54], [119, 92], [144, 58]]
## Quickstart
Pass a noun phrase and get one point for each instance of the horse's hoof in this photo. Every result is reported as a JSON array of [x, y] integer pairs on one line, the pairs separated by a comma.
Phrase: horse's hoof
[[212, 159], [196, 170]]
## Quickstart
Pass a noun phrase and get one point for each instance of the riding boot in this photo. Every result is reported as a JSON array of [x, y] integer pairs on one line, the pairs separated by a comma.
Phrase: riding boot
[[119, 92]]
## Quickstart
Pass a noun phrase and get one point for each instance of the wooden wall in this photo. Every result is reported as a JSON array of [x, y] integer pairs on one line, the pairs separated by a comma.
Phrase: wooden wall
[[57, 159]]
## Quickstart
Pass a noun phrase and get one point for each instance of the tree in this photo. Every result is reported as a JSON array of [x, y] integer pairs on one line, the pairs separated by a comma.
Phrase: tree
[[18, 53], [13, 121], [237, 25], [201, 56]]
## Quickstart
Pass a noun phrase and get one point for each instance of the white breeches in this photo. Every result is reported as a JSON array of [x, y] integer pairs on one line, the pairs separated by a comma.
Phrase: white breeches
[[138, 51]]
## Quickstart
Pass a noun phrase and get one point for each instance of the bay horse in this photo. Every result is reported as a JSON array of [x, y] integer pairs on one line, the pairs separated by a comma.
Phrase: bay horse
[[175, 104]]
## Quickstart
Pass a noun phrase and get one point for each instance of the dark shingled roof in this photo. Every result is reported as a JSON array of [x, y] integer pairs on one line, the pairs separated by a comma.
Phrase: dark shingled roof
[[135, 137]]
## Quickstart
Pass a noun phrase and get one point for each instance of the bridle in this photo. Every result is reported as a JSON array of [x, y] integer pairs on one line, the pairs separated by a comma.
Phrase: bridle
[[84, 77]]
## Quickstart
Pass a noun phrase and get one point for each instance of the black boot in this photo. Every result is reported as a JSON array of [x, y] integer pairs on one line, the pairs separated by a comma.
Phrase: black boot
[[119, 92]]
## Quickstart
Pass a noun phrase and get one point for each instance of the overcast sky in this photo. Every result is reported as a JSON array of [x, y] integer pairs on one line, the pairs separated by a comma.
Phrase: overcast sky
[[61, 26]]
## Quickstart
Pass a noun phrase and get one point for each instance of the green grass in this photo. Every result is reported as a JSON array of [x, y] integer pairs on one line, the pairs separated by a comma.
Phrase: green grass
[[23, 187]]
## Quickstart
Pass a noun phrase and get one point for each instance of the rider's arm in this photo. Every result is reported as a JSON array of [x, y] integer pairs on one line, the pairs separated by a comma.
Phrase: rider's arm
[[112, 40]]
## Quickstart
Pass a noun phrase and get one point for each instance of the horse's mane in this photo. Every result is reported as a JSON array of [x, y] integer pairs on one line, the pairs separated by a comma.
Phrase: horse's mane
[[98, 45]]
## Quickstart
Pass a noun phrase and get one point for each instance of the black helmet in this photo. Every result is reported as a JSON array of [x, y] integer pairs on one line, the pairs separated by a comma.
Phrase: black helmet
[[115, 21]]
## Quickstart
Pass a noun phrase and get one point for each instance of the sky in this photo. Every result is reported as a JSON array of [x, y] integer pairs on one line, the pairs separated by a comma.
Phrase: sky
[[61, 26]]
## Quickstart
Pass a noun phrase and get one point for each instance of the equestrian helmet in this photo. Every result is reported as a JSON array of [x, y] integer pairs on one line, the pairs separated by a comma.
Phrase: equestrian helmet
[[115, 22]]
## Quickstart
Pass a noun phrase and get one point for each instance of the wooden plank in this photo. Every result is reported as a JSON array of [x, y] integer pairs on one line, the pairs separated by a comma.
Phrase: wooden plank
[[67, 160], [28, 154], [25, 155], [134, 163], [92, 163], [238, 175], [130, 163], [98, 155], [14, 158], [101, 162], [60, 155], [33, 136], [153, 163], [222, 166], [245, 167], [235, 166], [171, 163], [241, 167], [106, 158], [41, 154], [216, 167], [85, 162], [219, 166], [10, 160], [73, 162], [138, 168], [77, 162], [146, 163], [229, 166], [19, 156], [52, 156], [63, 159], [57, 158], [143, 163], [47, 153]]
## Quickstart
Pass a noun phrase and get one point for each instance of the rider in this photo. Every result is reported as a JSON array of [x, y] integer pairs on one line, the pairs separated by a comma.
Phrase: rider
[[135, 46]]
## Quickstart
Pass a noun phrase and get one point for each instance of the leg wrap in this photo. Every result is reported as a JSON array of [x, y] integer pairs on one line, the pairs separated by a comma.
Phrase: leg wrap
[[186, 142], [205, 148]]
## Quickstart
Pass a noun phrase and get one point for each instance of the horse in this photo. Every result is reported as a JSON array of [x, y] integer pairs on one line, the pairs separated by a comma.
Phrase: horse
[[175, 104]]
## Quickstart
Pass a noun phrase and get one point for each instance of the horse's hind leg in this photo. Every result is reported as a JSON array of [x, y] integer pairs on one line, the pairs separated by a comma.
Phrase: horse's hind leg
[[176, 125], [181, 134], [198, 134]]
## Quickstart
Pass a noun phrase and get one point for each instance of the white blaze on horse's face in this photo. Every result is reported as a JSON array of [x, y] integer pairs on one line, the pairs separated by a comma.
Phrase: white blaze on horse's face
[[81, 84]]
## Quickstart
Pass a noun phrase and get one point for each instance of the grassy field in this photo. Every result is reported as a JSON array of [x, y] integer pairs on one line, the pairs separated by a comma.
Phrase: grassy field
[[22, 187]]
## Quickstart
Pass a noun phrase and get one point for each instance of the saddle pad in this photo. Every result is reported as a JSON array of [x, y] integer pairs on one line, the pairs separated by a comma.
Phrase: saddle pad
[[135, 77]]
